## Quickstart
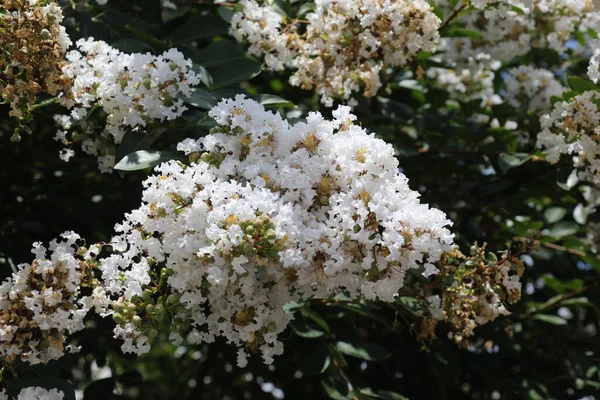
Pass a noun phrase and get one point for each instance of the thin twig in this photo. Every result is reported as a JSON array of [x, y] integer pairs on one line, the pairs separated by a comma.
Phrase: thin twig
[[559, 299], [453, 15]]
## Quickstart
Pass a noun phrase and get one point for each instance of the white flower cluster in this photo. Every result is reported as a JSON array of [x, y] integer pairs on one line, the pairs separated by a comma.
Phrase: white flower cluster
[[532, 88], [344, 45], [36, 393], [261, 27], [44, 301], [473, 81], [594, 65], [270, 213], [573, 127], [134, 90], [511, 33]]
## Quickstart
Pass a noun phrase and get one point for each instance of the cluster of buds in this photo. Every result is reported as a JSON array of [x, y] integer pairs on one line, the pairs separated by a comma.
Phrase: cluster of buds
[[33, 49], [473, 291]]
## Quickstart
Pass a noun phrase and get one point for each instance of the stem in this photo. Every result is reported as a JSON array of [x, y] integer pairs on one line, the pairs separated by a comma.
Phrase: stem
[[44, 103], [557, 247], [557, 300], [453, 15]]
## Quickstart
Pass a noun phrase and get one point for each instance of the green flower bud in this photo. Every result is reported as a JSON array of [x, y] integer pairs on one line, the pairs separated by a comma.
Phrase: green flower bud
[[118, 318]]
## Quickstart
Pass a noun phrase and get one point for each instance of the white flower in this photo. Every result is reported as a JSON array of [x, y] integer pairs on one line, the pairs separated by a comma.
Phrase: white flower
[[346, 44], [134, 90], [41, 304], [271, 213], [39, 393], [531, 87], [573, 128]]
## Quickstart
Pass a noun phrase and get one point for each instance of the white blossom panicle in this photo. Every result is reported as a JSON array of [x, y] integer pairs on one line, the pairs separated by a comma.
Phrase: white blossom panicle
[[261, 26], [46, 301], [594, 66], [573, 128], [507, 32], [473, 81], [342, 46], [39, 393], [532, 88], [133, 90], [269, 213]]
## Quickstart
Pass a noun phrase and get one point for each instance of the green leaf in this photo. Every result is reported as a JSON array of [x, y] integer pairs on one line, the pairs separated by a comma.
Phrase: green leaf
[[201, 99], [551, 319], [410, 304], [282, 7], [226, 13], [135, 140], [567, 182], [593, 261], [580, 214], [562, 229], [554, 214], [292, 307], [335, 388], [462, 32], [199, 27], [132, 46], [580, 85], [577, 301], [142, 159], [223, 52], [383, 394], [240, 71], [204, 75], [309, 313], [272, 100], [363, 310], [509, 161], [305, 9], [306, 328], [363, 350]]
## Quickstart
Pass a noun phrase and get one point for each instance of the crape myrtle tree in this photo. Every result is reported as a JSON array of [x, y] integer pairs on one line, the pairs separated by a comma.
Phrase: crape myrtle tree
[[346, 199]]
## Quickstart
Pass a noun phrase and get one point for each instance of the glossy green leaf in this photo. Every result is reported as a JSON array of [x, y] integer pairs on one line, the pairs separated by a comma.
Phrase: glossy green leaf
[[336, 388], [201, 99], [274, 101], [135, 140], [562, 229], [581, 85], [554, 214], [198, 27], [142, 159], [551, 319], [509, 161], [363, 350]]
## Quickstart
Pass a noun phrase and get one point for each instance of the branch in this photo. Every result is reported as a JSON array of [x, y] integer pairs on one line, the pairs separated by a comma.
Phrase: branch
[[453, 15], [558, 299]]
